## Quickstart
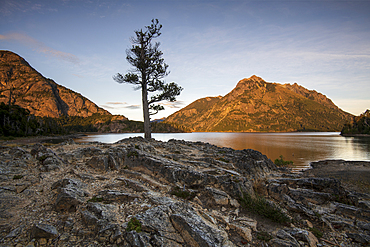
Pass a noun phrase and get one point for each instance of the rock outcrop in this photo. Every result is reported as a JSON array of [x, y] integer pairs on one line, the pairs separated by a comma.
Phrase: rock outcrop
[[255, 105], [22, 85], [177, 193]]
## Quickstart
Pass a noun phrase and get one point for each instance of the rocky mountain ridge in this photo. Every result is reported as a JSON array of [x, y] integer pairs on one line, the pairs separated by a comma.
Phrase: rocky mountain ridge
[[139, 192], [22, 85], [255, 105]]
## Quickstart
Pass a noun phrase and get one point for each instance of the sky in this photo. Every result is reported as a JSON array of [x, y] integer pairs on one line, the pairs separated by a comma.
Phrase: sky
[[322, 45]]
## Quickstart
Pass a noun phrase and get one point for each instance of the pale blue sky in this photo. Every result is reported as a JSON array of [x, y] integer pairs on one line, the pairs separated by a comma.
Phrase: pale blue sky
[[209, 46]]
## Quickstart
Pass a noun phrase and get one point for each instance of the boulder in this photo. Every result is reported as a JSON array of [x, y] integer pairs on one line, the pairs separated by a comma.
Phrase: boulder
[[99, 163], [43, 231], [69, 194], [213, 197], [193, 229], [157, 221], [244, 232], [48, 159], [303, 235]]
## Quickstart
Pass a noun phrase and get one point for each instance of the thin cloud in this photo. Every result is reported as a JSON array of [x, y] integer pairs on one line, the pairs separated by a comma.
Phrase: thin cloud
[[133, 107], [175, 104], [121, 105], [108, 107], [40, 47], [116, 103], [79, 76]]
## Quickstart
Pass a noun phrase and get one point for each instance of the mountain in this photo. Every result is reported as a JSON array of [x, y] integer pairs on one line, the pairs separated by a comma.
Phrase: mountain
[[255, 105], [22, 85]]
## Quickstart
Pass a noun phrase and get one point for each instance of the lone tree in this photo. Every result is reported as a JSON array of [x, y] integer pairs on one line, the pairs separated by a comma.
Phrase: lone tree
[[148, 72]]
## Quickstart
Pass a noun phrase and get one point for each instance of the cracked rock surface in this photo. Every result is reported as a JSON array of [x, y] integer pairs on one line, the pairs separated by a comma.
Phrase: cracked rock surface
[[181, 193]]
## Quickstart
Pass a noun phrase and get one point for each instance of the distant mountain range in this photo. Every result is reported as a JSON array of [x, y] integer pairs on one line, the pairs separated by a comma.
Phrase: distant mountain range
[[22, 85], [255, 105]]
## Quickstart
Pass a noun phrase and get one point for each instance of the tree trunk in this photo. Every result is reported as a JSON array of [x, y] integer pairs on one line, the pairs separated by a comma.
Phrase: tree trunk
[[147, 131]]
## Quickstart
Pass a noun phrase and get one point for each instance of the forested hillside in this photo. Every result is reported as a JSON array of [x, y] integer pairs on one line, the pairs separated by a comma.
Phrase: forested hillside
[[17, 121], [360, 125]]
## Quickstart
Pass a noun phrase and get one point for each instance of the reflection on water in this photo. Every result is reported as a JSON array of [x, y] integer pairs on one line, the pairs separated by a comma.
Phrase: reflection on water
[[301, 148]]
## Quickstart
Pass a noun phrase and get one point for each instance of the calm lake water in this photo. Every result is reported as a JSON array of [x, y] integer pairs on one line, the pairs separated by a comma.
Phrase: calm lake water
[[301, 148]]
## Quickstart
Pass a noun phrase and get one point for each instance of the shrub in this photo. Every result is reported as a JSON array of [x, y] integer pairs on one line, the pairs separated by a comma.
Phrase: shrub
[[261, 206], [282, 162], [184, 194], [96, 199], [223, 160], [133, 225], [132, 153], [316, 232]]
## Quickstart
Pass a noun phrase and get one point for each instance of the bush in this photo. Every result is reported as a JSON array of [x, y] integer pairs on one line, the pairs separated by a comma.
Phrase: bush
[[316, 232], [133, 225], [184, 194], [261, 206], [282, 162]]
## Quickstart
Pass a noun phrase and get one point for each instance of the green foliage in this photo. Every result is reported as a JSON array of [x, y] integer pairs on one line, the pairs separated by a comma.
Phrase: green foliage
[[262, 207], [282, 162], [42, 158], [316, 232], [96, 199], [148, 72], [161, 127], [184, 194], [133, 225], [359, 125], [132, 154], [223, 160], [17, 121]]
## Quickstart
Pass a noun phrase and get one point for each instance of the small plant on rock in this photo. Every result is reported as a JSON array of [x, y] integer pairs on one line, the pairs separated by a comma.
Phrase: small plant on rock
[[184, 194], [316, 232], [261, 206], [133, 225], [42, 158], [223, 160], [132, 153], [95, 199], [282, 162]]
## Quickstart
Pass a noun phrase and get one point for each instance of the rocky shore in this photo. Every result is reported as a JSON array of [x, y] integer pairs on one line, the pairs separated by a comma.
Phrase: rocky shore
[[354, 175], [177, 193]]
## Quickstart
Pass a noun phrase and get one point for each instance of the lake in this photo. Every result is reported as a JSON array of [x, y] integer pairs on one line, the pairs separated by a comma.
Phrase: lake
[[302, 148]]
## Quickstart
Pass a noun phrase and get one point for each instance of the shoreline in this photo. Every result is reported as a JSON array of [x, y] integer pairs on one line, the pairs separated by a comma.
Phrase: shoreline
[[355, 135], [41, 139], [354, 175], [77, 194]]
